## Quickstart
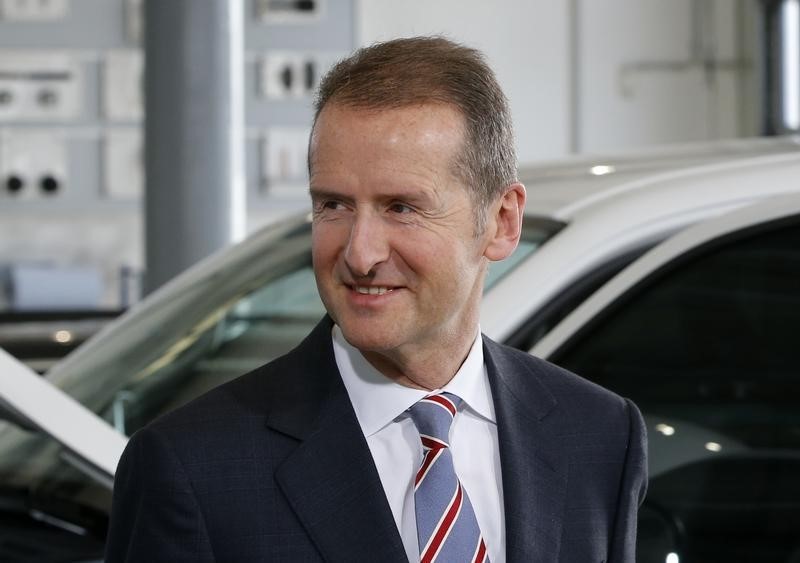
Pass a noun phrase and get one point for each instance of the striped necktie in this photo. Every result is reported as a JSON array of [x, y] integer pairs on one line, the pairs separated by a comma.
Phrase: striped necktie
[[446, 526]]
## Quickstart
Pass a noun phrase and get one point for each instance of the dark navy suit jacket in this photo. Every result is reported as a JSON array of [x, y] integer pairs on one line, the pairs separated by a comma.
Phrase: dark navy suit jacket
[[273, 466]]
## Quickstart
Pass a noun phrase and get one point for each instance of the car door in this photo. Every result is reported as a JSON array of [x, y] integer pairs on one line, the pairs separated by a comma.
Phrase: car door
[[702, 333]]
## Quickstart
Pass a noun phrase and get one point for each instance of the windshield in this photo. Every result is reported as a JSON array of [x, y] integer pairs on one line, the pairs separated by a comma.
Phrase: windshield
[[234, 312], [707, 348]]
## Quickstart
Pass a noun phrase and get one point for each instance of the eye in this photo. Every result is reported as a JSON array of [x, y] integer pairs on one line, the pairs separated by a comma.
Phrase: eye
[[401, 208], [329, 204]]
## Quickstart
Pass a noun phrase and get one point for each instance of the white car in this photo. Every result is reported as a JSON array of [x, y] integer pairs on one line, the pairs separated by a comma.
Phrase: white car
[[714, 383]]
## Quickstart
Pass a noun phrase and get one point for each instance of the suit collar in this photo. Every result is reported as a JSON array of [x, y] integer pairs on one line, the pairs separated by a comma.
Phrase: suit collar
[[330, 479], [534, 464], [303, 382]]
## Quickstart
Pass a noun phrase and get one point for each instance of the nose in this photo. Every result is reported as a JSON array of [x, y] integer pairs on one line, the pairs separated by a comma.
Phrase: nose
[[367, 246]]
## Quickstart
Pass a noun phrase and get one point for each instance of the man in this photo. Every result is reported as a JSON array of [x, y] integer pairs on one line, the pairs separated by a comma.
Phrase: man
[[395, 431]]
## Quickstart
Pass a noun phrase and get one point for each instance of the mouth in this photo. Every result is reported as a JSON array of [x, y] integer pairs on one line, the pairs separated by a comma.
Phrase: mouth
[[371, 289]]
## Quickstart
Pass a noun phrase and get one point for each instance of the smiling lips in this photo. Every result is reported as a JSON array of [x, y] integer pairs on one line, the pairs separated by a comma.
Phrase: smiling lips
[[372, 290]]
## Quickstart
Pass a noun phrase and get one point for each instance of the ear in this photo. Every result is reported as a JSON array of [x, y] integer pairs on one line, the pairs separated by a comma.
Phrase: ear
[[504, 224]]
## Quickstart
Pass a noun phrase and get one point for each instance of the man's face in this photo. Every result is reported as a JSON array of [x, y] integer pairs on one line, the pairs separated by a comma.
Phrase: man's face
[[396, 258]]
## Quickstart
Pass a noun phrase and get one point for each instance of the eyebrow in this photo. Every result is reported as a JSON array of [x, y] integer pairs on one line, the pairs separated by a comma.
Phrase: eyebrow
[[321, 193]]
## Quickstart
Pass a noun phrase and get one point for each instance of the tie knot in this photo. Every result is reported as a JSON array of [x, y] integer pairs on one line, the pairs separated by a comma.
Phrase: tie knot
[[433, 416]]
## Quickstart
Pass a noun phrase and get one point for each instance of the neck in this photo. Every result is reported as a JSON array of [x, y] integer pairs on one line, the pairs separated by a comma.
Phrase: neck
[[429, 368]]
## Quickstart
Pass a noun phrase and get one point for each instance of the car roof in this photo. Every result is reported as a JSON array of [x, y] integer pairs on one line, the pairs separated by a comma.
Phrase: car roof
[[558, 188]]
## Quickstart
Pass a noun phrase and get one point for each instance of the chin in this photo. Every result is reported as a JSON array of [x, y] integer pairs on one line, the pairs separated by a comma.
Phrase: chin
[[369, 338]]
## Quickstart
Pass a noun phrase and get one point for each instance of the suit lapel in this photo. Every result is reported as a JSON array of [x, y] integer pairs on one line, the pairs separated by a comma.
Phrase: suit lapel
[[534, 467], [330, 480]]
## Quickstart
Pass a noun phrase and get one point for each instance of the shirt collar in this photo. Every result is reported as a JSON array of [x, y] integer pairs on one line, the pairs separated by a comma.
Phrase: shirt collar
[[378, 401]]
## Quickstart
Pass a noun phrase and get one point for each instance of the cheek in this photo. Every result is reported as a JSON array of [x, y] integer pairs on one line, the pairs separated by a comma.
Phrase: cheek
[[461, 270], [316, 261], [323, 246], [439, 265]]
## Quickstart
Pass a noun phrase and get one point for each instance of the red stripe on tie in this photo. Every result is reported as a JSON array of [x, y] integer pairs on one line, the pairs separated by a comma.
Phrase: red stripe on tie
[[444, 528], [480, 554], [443, 401], [427, 463], [432, 443]]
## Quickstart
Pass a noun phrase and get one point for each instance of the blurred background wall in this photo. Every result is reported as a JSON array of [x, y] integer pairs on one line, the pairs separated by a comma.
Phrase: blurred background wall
[[583, 76]]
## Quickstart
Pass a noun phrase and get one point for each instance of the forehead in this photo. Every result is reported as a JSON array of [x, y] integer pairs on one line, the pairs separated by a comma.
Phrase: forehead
[[429, 129]]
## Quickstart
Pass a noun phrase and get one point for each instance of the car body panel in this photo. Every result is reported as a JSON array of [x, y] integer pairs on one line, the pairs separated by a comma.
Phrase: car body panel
[[44, 407]]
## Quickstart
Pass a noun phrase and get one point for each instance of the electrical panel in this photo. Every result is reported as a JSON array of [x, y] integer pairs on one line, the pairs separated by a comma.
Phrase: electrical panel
[[72, 115], [42, 86], [123, 85], [284, 162], [123, 164], [32, 10], [33, 165], [289, 11], [293, 74]]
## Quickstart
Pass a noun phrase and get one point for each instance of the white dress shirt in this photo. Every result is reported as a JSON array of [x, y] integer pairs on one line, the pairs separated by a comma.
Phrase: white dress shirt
[[380, 405]]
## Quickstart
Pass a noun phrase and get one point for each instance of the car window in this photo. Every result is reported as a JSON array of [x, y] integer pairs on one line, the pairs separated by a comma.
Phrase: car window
[[708, 349], [556, 309], [249, 331]]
